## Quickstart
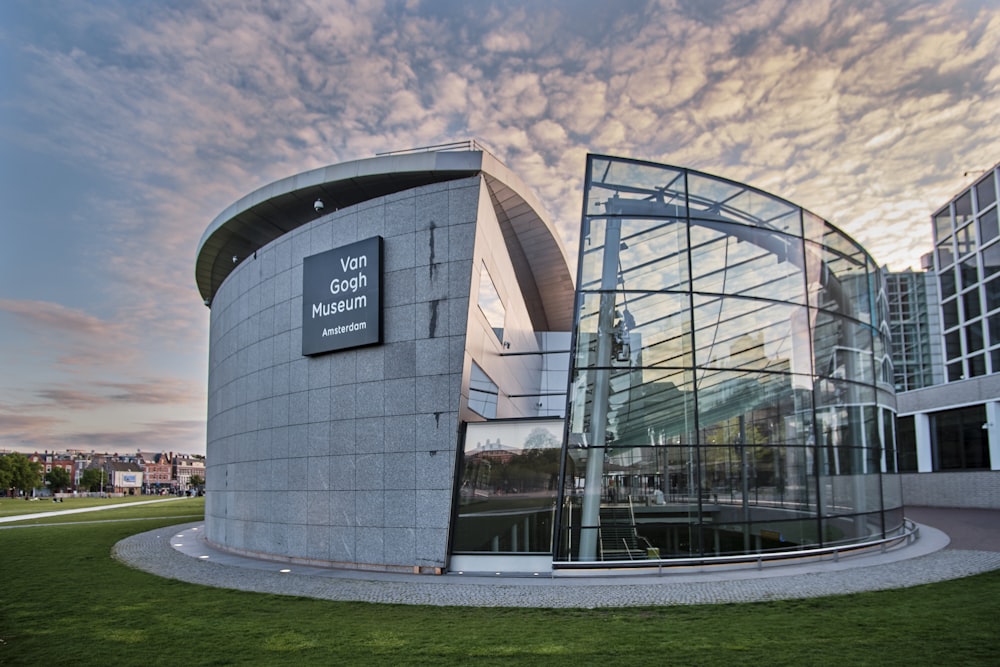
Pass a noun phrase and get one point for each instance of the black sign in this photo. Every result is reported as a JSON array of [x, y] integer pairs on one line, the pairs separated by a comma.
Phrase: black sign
[[342, 297]]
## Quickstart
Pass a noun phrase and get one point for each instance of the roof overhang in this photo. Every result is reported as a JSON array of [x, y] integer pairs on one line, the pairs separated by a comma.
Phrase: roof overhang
[[272, 211]]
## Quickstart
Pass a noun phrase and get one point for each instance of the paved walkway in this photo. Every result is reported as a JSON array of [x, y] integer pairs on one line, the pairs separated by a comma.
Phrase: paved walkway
[[81, 510], [952, 544]]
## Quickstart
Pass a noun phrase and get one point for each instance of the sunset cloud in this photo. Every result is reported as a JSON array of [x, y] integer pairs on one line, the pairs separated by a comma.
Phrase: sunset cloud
[[868, 114]]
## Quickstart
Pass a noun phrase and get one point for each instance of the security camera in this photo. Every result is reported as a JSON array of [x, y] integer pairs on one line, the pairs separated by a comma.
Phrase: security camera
[[318, 205]]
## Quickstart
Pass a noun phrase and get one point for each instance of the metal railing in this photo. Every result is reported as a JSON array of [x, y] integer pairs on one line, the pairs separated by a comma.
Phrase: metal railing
[[466, 145], [908, 534]]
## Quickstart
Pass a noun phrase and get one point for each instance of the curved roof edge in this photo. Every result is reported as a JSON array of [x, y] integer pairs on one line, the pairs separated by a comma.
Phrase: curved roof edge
[[275, 209]]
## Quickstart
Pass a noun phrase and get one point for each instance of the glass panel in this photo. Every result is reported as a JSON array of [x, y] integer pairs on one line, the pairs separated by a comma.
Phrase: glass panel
[[973, 337], [717, 199], [839, 282], [772, 476], [906, 444], [736, 259], [986, 193], [894, 514], [994, 330], [991, 260], [856, 528], [490, 303], [963, 209], [947, 284], [988, 229], [624, 187], [956, 371], [949, 310], [942, 225], [970, 304], [944, 254], [958, 439], [968, 272], [651, 254], [644, 406], [953, 345], [977, 365], [889, 440], [965, 240], [813, 226], [507, 487], [648, 329], [482, 393], [843, 349], [992, 290], [781, 401], [752, 335]]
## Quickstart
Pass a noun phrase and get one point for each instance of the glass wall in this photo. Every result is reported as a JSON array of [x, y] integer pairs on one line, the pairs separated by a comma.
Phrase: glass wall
[[731, 386], [509, 475]]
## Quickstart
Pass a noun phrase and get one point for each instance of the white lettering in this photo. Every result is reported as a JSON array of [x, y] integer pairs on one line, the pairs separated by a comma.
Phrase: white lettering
[[352, 284], [351, 263], [342, 306], [347, 328]]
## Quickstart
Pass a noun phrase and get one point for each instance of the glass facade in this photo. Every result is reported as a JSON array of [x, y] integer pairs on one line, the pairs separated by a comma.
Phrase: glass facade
[[915, 329], [967, 257], [730, 382]]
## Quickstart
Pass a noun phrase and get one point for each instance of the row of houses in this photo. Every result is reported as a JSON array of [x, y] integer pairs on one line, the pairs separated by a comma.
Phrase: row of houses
[[129, 474]]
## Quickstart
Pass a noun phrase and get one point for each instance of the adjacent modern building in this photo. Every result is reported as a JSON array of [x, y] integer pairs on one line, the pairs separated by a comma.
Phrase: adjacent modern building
[[404, 374], [952, 427], [915, 328]]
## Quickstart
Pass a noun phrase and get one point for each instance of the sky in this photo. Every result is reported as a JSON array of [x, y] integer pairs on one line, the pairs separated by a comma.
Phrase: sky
[[126, 126]]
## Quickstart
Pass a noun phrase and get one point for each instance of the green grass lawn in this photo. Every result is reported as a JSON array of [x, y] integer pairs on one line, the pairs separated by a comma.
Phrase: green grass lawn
[[65, 601], [17, 506]]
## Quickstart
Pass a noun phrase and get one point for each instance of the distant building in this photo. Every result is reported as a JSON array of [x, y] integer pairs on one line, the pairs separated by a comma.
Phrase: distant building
[[157, 471], [953, 429], [186, 466], [125, 477], [915, 329]]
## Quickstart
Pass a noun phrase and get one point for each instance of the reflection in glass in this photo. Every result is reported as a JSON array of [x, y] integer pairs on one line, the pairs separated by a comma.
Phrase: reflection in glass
[[490, 303], [724, 375], [507, 487], [482, 393], [986, 194], [942, 225]]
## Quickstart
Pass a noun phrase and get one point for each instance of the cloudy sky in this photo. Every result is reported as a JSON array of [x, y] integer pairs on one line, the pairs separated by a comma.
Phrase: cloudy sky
[[126, 126]]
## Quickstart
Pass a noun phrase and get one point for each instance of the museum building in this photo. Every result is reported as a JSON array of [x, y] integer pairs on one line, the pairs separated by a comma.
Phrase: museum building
[[405, 375]]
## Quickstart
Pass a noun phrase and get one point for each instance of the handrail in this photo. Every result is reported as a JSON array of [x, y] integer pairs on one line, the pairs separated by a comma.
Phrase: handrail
[[465, 145], [911, 532]]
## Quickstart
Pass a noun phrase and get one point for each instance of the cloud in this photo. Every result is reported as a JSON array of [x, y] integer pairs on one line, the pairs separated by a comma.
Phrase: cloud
[[166, 392], [867, 114]]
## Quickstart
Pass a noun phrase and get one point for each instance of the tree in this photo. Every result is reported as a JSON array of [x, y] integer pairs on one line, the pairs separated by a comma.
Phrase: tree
[[58, 479], [19, 472], [93, 479], [196, 480]]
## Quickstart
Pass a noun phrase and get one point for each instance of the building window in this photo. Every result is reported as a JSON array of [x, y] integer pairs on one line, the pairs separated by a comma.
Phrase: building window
[[942, 225], [906, 444], [985, 192], [988, 229], [963, 209], [991, 259], [507, 487], [959, 439], [490, 303], [482, 393]]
